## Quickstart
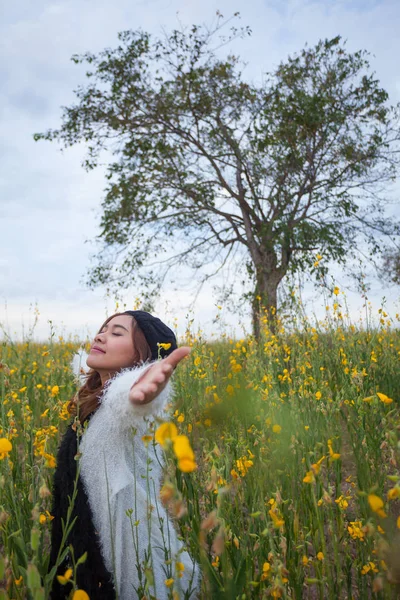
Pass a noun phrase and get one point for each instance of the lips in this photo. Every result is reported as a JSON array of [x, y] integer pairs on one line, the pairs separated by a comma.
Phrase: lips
[[97, 349]]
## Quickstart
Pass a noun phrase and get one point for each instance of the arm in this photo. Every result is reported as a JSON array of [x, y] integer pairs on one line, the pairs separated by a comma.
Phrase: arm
[[142, 391]]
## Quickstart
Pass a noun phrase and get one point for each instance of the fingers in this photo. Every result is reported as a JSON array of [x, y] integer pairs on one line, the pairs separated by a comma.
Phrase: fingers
[[177, 355]]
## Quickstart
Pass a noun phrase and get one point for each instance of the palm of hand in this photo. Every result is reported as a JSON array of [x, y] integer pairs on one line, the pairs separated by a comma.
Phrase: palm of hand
[[156, 378]]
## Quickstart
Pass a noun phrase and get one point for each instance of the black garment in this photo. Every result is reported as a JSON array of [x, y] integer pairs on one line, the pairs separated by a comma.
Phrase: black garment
[[92, 575]]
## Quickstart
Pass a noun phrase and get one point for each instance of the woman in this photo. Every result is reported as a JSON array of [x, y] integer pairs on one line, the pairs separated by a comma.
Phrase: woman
[[132, 547]]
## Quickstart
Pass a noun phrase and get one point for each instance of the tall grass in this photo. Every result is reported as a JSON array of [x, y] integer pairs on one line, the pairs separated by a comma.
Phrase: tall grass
[[297, 443]]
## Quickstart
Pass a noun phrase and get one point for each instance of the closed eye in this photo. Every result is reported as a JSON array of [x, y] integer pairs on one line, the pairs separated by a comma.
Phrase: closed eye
[[117, 334]]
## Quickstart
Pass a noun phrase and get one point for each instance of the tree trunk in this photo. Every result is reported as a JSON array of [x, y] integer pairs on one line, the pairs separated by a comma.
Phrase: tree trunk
[[265, 301]]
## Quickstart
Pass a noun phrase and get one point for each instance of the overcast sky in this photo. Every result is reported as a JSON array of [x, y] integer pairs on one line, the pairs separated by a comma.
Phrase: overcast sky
[[49, 205]]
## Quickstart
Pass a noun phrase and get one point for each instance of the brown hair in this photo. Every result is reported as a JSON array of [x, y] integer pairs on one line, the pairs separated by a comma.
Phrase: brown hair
[[87, 397]]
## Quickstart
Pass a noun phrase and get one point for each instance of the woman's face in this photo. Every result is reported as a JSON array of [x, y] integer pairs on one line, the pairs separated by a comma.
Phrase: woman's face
[[112, 348]]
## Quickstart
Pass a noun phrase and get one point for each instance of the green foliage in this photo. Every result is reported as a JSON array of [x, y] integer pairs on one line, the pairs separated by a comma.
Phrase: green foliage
[[209, 169]]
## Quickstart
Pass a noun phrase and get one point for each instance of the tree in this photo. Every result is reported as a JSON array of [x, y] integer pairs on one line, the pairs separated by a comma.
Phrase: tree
[[221, 169], [391, 266]]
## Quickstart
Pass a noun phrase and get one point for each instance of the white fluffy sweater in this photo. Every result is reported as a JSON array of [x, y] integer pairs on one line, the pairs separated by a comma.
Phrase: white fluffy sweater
[[120, 474]]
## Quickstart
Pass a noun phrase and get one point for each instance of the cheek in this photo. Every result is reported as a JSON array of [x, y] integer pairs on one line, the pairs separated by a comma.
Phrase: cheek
[[125, 349]]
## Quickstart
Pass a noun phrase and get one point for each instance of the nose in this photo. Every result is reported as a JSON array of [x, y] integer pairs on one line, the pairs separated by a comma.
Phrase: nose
[[99, 337]]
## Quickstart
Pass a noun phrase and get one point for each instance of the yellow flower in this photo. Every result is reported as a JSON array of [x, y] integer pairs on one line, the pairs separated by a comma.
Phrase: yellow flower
[[355, 530], [368, 399], [44, 414], [164, 346], [316, 467], [342, 502], [63, 579], [336, 290], [50, 460], [215, 563], [197, 361], [169, 582], [181, 418], [54, 390], [309, 478], [166, 432], [318, 395], [180, 567], [234, 474], [182, 448], [42, 519], [276, 428], [393, 493], [320, 556], [146, 439], [369, 567], [18, 581], [305, 560], [376, 505], [333, 455], [5, 446], [186, 465], [278, 521], [383, 398], [266, 571], [80, 595], [184, 454]]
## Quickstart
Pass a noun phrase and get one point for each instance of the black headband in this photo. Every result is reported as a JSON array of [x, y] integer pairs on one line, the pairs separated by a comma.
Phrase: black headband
[[155, 332]]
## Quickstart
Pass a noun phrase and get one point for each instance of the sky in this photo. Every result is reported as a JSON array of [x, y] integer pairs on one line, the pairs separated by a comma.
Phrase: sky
[[50, 206]]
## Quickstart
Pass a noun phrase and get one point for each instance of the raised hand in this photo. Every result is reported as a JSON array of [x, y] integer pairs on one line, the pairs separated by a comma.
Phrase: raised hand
[[156, 378]]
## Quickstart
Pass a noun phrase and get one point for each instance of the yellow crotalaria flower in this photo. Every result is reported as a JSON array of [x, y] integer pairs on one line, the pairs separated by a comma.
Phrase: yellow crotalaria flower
[[184, 454], [309, 478], [383, 398], [266, 567], [5, 445], [393, 493], [169, 582], [63, 579], [320, 556], [333, 455], [166, 432], [80, 595], [182, 448], [50, 460], [164, 346], [316, 467], [186, 465], [376, 505], [54, 390], [276, 428], [276, 519]]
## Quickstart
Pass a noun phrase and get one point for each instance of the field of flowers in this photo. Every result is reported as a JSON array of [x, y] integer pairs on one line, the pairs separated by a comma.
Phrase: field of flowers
[[282, 460]]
